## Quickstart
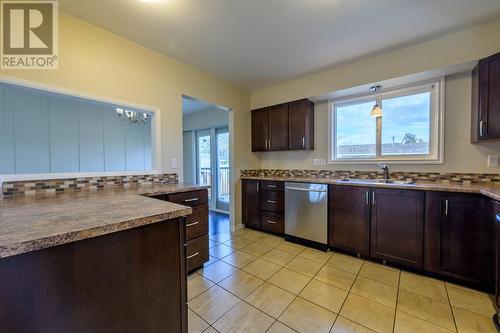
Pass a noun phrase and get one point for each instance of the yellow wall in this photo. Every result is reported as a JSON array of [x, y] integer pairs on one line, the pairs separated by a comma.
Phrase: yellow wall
[[94, 61], [454, 49]]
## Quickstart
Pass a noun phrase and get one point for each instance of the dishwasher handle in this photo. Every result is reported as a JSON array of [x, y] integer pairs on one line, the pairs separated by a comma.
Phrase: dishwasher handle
[[304, 189]]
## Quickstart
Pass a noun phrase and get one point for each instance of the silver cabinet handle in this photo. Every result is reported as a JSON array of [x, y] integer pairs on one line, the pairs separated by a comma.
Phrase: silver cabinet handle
[[367, 197], [373, 198], [271, 201], [303, 189], [258, 186], [271, 186], [269, 144], [191, 200], [446, 207], [303, 142], [192, 224], [481, 128], [193, 255], [272, 222]]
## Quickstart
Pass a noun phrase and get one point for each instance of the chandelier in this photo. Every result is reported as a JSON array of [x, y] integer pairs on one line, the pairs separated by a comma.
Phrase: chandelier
[[133, 117]]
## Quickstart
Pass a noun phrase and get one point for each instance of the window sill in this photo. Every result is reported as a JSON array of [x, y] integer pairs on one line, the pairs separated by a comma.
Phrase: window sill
[[389, 161]]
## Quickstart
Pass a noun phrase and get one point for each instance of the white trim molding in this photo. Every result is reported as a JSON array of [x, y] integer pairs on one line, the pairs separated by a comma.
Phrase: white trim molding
[[435, 87], [156, 131]]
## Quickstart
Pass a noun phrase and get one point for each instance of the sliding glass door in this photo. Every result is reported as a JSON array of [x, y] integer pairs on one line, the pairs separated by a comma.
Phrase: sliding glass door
[[222, 168], [212, 155]]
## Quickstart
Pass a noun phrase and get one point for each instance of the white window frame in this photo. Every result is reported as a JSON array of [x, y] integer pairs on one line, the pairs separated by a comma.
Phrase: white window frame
[[436, 128]]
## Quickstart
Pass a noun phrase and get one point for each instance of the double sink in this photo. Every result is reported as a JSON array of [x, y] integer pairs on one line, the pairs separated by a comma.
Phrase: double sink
[[378, 181]]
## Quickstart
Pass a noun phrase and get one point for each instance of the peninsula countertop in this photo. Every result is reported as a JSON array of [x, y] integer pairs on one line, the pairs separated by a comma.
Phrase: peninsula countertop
[[31, 223], [489, 191]]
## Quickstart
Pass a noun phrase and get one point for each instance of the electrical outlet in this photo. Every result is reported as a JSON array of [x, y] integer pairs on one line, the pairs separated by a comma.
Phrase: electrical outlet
[[319, 161], [173, 163], [493, 161]]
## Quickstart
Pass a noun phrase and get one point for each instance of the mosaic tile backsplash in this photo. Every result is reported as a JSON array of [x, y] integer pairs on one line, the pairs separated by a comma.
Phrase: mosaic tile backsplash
[[492, 179], [34, 187]]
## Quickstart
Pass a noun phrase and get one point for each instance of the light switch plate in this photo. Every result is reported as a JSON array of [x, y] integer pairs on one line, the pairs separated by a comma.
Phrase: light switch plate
[[492, 161], [319, 161], [173, 163]]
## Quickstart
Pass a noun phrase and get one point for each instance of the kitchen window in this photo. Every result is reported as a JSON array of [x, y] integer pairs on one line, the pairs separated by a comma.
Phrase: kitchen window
[[410, 129]]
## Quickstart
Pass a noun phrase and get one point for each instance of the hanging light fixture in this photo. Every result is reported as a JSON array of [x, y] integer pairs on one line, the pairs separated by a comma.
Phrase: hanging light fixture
[[133, 117], [377, 110]]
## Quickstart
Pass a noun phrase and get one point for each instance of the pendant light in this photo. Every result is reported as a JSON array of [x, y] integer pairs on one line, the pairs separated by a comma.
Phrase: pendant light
[[377, 110]]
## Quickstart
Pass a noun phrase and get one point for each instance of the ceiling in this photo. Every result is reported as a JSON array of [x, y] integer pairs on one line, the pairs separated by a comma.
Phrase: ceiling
[[257, 43], [191, 105]]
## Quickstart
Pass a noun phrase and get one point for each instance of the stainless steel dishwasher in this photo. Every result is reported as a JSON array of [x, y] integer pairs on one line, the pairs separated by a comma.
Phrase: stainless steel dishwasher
[[306, 214]]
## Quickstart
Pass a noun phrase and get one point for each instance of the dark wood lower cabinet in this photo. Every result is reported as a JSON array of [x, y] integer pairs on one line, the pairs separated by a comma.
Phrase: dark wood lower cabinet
[[456, 239], [196, 225], [197, 252], [397, 226], [349, 218], [250, 203], [272, 222], [496, 260], [128, 281]]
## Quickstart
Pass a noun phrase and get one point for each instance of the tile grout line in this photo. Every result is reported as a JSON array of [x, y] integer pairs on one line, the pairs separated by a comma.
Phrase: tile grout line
[[451, 308], [261, 256], [397, 299], [348, 293]]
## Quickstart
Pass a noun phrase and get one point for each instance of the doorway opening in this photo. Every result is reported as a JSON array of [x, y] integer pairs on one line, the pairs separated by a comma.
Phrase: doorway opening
[[206, 157]]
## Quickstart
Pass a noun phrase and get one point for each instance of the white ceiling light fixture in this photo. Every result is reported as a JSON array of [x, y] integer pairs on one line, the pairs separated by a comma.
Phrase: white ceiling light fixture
[[151, 1], [377, 110]]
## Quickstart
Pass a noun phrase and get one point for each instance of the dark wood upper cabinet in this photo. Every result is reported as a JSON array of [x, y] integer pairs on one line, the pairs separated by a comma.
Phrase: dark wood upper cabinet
[[349, 218], [301, 125], [260, 129], [278, 127], [251, 203], [397, 226], [486, 99], [288, 126]]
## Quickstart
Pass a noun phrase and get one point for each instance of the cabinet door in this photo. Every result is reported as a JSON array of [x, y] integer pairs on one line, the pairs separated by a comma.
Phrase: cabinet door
[[251, 203], [397, 222], [463, 237], [486, 100], [260, 129], [278, 127], [496, 261], [301, 125], [349, 218]]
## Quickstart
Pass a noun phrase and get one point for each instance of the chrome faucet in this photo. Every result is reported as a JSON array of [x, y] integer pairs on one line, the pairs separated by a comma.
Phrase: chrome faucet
[[385, 170]]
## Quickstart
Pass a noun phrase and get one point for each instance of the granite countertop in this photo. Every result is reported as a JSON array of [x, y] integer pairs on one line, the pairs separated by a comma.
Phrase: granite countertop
[[32, 223], [489, 191]]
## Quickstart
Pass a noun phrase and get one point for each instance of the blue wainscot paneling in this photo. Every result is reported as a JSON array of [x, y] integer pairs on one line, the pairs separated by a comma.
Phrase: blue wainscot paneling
[[63, 123], [7, 165], [91, 137], [31, 131], [114, 142], [44, 132]]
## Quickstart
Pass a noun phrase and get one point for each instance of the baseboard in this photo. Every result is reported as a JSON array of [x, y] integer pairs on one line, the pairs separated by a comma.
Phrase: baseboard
[[237, 227]]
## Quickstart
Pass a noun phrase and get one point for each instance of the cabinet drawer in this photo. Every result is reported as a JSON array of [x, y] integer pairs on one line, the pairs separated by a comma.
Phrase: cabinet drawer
[[197, 222], [193, 198], [197, 252], [272, 222], [268, 185], [272, 201]]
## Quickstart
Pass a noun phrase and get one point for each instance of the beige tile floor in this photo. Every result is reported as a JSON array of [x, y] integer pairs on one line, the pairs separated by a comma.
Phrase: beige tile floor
[[256, 282]]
